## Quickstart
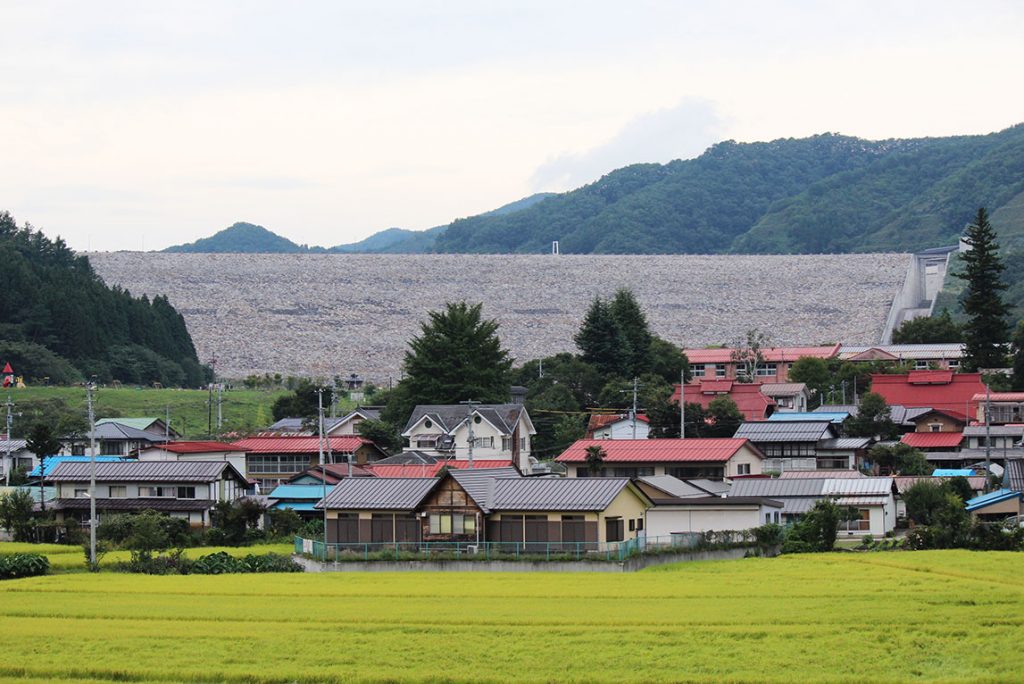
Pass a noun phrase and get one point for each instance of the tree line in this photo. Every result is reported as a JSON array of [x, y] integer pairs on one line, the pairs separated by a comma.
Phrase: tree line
[[62, 323]]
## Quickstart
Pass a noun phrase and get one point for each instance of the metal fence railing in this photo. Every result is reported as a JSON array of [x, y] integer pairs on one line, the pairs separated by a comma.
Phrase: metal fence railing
[[525, 550]]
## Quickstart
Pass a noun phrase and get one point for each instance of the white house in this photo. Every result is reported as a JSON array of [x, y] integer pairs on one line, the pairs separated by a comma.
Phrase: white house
[[618, 427], [485, 431], [183, 489], [20, 458], [714, 459]]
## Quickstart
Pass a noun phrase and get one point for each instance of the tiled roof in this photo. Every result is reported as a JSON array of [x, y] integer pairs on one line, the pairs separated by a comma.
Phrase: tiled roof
[[933, 440], [783, 431], [143, 471], [378, 493], [344, 444], [657, 450], [556, 494], [198, 447]]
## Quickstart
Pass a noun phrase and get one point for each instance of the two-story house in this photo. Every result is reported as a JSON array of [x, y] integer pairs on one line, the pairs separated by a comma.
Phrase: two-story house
[[483, 431], [183, 489]]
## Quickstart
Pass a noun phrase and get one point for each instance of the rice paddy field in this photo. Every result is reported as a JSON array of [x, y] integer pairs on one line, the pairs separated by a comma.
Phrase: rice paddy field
[[935, 616]]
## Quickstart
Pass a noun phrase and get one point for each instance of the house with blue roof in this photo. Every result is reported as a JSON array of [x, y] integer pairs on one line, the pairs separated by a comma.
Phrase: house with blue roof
[[300, 498], [835, 417], [51, 462], [997, 505]]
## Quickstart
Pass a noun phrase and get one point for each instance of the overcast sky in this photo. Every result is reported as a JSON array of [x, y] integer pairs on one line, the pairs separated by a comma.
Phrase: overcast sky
[[137, 125]]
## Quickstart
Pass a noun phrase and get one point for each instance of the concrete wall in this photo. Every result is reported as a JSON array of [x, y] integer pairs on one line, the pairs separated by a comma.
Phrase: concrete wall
[[662, 521]]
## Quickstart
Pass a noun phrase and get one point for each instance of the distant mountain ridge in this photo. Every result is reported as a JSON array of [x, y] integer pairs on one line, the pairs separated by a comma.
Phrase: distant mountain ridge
[[248, 238], [827, 193]]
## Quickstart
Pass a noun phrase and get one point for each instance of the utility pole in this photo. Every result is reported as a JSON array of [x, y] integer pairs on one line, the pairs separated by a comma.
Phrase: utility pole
[[988, 436], [636, 386], [10, 421], [682, 404], [209, 410], [540, 369], [220, 401], [323, 466], [92, 475], [167, 424], [469, 421]]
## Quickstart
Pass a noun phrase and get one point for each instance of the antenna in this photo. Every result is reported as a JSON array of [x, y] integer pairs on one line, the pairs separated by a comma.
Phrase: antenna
[[636, 386], [469, 421]]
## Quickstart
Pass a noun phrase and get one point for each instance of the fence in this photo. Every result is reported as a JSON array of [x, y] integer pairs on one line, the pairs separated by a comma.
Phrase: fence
[[526, 551]]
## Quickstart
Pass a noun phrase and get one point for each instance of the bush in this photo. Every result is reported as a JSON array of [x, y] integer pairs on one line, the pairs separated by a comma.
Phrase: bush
[[769, 536], [312, 529], [284, 522], [238, 520], [15, 565], [816, 529], [145, 531], [146, 563], [222, 563]]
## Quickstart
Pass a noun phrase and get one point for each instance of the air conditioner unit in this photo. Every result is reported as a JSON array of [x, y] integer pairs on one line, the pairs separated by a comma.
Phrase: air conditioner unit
[[473, 549]]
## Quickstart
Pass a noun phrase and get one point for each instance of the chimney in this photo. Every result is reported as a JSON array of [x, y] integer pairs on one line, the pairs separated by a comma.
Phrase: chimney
[[517, 395]]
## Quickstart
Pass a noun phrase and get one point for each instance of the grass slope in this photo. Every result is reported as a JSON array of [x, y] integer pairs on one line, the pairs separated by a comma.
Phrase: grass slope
[[242, 410], [950, 616]]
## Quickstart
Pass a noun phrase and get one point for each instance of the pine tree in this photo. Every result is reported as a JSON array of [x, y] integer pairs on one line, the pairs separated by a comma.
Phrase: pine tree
[[601, 340], [986, 330], [635, 332]]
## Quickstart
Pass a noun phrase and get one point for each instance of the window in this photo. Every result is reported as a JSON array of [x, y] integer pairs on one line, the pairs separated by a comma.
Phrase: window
[[777, 515], [273, 465], [425, 441], [953, 363], [935, 427], [186, 492], [719, 370], [921, 364], [767, 518], [444, 523], [632, 525], [692, 472], [767, 369], [118, 491], [697, 371], [440, 524], [614, 529], [743, 469], [506, 444], [639, 524], [862, 524], [633, 472], [522, 444], [157, 492], [483, 443], [81, 493]]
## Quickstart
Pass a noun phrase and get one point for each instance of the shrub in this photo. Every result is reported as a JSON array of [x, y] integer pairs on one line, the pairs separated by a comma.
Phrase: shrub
[[238, 520], [15, 565], [284, 522], [816, 530], [16, 514], [146, 563], [221, 563], [769, 536]]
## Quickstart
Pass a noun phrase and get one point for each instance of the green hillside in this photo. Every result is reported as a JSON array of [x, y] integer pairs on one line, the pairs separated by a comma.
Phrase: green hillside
[[827, 193], [59, 321], [242, 238]]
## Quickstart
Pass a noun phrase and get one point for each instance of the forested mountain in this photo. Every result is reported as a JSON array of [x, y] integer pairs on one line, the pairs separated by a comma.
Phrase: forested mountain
[[243, 238], [60, 321], [827, 193]]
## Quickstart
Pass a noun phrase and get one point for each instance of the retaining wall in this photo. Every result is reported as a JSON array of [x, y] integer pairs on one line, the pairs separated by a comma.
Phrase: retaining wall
[[629, 565]]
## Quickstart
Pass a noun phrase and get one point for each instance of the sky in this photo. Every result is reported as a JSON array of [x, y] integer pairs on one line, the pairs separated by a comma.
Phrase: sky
[[138, 125]]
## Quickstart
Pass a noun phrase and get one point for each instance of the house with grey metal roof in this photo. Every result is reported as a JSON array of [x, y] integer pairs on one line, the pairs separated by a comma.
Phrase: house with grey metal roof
[[804, 445], [118, 437], [494, 505], [788, 396], [15, 456], [186, 489], [483, 431], [873, 499]]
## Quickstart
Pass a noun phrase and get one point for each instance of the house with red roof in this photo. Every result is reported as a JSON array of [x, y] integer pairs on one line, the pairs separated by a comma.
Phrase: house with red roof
[[271, 461], [714, 459], [955, 393], [721, 363], [617, 426], [751, 401], [1004, 407], [207, 451]]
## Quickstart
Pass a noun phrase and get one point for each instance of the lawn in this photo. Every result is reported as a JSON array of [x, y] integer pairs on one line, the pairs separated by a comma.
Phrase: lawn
[[242, 410], [944, 615]]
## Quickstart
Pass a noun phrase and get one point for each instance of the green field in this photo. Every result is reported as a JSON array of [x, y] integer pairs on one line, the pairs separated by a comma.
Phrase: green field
[[242, 410], [945, 615]]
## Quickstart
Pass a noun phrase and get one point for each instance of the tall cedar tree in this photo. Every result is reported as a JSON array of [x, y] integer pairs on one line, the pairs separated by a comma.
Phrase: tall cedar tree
[[635, 331], [458, 356], [986, 329], [601, 340], [1017, 349]]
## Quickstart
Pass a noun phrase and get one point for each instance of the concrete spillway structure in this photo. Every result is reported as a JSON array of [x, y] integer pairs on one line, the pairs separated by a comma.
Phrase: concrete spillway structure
[[925, 277]]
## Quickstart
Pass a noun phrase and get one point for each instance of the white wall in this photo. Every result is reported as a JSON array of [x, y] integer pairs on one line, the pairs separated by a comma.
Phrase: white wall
[[623, 429], [664, 520]]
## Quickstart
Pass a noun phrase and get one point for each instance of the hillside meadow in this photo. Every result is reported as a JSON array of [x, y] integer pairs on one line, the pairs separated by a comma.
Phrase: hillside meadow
[[242, 410], [946, 615]]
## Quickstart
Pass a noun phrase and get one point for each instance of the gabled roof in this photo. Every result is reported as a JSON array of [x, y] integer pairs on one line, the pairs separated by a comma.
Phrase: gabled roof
[[335, 472], [51, 462], [11, 445], [447, 417], [145, 471], [673, 487], [844, 443], [956, 416], [143, 423], [598, 420], [752, 403], [658, 450], [344, 444], [794, 417], [785, 431], [378, 493], [198, 447], [939, 350], [480, 484], [559, 493], [770, 354], [991, 498], [783, 389], [432, 469], [111, 431], [313, 492], [933, 440], [931, 389]]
